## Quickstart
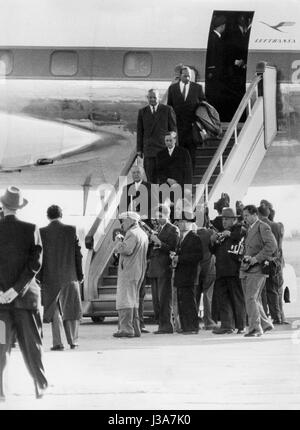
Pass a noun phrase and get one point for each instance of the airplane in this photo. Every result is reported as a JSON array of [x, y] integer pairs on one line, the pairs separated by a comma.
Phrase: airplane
[[73, 75]]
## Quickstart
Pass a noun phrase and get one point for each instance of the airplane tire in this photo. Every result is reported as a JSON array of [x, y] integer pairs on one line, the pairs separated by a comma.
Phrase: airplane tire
[[97, 320]]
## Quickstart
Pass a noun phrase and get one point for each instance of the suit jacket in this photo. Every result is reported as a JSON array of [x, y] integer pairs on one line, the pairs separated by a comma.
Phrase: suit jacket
[[214, 59], [189, 254], [160, 261], [20, 261], [61, 270], [260, 243], [178, 166], [142, 201], [151, 129], [185, 109]]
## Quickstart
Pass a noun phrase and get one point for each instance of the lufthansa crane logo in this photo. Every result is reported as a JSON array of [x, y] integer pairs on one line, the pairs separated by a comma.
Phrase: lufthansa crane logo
[[281, 24]]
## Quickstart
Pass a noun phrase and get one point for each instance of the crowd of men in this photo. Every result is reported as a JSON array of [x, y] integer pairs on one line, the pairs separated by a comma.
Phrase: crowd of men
[[234, 260]]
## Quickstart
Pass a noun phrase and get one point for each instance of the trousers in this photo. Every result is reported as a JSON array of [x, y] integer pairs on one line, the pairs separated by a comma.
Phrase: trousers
[[163, 289], [71, 328], [26, 325], [252, 286]]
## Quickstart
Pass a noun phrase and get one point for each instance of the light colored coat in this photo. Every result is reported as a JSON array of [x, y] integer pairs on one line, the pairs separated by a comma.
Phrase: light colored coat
[[259, 243], [132, 267]]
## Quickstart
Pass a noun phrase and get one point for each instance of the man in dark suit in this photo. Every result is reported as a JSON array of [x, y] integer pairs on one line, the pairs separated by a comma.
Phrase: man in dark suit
[[228, 289], [271, 291], [60, 276], [20, 260], [215, 70], [153, 122], [184, 97], [160, 271], [189, 254]]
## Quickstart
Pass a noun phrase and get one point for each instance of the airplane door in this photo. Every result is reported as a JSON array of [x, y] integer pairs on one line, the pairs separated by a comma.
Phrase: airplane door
[[226, 60]]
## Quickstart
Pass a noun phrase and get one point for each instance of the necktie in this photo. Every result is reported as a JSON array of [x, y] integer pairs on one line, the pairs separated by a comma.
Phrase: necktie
[[153, 110], [184, 92]]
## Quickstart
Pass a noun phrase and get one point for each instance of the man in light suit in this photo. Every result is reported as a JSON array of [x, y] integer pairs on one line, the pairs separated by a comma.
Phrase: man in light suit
[[153, 122], [160, 271], [260, 245], [60, 276], [20, 260], [131, 271], [184, 97]]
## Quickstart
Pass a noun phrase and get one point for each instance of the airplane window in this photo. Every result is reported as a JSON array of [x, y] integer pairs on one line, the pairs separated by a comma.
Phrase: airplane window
[[137, 64], [64, 63], [6, 62]]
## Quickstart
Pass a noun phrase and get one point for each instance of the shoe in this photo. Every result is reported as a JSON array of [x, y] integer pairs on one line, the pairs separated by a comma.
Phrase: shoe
[[163, 332], [179, 330], [253, 333], [120, 334], [268, 328], [285, 322], [57, 348], [39, 391], [276, 322], [74, 345], [241, 331], [144, 330], [190, 332], [221, 330]]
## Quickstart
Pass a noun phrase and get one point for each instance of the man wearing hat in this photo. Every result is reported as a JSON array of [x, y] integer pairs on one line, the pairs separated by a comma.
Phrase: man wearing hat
[[228, 290], [131, 271], [189, 253], [214, 74], [20, 260]]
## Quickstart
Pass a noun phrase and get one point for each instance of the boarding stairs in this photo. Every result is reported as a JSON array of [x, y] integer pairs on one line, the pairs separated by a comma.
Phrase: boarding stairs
[[226, 164]]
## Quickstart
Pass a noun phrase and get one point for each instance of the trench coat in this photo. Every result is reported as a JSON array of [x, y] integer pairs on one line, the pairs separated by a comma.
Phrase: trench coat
[[61, 271], [132, 267]]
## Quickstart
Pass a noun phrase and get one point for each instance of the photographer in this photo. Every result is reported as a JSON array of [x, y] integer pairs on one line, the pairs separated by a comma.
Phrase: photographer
[[260, 245], [228, 291]]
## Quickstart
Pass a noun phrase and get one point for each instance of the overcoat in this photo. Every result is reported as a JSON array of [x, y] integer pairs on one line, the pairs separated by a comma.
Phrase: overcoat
[[132, 267], [61, 271]]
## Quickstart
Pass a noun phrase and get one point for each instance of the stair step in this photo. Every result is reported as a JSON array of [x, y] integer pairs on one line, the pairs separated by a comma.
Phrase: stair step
[[112, 270], [109, 280]]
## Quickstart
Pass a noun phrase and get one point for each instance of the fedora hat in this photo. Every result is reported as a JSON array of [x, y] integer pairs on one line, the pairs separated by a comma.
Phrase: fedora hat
[[13, 199], [228, 213]]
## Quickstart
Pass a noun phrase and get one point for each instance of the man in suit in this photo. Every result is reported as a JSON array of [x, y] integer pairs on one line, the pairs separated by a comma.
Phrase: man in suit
[[153, 122], [206, 280], [131, 271], [215, 70], [189, 253], [160, 271], [20, 261], [184, 97], [174, 169], [270, 295], [260, 245], [228, 289], [60, 277]]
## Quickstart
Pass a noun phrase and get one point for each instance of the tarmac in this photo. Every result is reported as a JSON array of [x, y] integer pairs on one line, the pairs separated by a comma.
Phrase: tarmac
[[165, 372]]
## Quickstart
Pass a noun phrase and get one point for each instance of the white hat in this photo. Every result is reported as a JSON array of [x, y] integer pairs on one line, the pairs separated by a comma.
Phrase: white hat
[[12, 199], [130, 214]]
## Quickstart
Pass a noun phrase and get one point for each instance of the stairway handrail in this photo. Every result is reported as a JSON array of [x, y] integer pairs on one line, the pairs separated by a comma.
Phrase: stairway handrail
[[227, 137], [100, 217]]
